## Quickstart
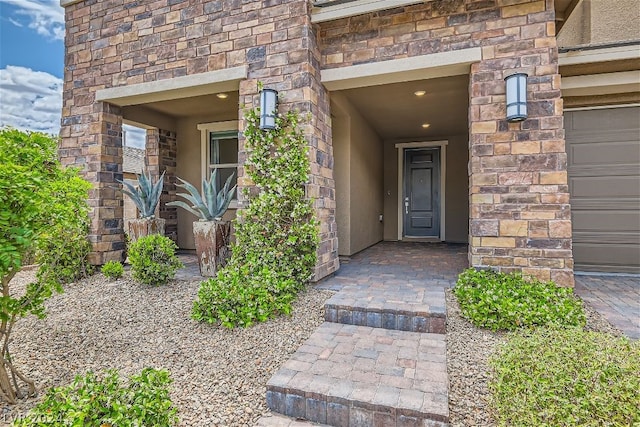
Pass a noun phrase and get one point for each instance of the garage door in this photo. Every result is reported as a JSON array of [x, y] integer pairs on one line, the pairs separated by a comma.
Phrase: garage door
[[603, 149]]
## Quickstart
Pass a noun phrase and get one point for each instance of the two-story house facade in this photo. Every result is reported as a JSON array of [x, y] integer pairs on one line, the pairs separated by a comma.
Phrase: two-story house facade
[[408, 135]]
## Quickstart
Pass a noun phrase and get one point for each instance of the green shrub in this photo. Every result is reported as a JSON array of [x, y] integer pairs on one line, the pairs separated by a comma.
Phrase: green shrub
[[566, 377], [112, 269], [94, 402], [496, 300], [276, 235], [153, 259], [43, 215], [239, 297], [68, 253]]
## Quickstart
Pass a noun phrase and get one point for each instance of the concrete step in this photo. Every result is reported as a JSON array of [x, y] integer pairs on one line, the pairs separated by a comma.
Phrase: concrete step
[[414, 307], [354, 376]]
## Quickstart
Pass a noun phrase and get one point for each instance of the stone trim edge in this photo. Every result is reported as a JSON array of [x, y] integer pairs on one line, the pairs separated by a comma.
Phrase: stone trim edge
[[175, 88], [422, 67]]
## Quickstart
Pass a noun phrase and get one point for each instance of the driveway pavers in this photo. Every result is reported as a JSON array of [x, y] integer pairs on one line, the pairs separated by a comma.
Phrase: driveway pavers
[[616, 297]]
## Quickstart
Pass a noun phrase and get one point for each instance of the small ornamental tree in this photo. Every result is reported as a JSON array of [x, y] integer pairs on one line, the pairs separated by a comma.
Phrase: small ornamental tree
[[43, 209], [276, 235]]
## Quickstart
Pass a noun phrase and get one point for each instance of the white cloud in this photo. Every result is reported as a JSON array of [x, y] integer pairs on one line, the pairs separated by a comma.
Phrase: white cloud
[[44, 16], [16, 23], [30, 100]]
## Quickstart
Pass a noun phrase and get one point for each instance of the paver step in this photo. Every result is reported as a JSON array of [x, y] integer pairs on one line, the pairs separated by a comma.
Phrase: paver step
[[353, 376], [405, 307]]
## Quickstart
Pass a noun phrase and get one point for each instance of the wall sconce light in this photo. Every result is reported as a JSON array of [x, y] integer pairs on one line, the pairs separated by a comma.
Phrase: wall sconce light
[[268, 109], [516, 97]]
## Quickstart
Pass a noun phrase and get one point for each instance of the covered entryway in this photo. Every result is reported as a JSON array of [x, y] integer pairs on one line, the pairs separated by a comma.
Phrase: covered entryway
[[603, 147], [401, 154], [191, 129]]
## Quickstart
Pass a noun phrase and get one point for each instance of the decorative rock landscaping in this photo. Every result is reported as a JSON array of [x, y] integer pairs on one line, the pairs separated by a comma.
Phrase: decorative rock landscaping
[[220, 374]]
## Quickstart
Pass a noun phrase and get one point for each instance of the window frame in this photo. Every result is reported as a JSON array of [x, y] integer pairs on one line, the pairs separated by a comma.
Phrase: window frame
[[228, 128]]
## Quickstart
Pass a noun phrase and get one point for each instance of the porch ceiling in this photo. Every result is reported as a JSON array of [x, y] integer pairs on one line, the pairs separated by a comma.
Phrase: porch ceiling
[[197, 105], [395, 112]]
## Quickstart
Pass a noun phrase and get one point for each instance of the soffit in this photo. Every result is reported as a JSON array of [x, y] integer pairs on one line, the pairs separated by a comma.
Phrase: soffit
[[198, 105], [394, 112]]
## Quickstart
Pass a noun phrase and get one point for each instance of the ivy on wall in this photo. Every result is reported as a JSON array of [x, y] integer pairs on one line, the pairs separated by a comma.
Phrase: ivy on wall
[[276, 235]]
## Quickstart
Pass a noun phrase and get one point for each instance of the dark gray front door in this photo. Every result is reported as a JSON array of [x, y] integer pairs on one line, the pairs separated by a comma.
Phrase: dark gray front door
[[421, 199]]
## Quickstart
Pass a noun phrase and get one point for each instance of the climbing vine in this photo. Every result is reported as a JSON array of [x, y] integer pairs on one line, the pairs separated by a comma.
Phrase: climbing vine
[[276, 235]]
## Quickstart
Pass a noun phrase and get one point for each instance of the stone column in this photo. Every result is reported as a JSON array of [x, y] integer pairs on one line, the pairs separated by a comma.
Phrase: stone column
[[520, 216], [286, 58], [92, 140], [160, 156]]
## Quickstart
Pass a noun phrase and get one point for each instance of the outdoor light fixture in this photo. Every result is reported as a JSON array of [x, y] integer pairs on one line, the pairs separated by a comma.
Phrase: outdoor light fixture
[[420, 93], [222, 95], [516, 97], [268, 109]]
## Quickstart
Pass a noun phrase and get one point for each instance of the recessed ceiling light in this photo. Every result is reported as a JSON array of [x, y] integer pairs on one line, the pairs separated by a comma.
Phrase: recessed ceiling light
[[222, 95], [420, 93], [426, 125]]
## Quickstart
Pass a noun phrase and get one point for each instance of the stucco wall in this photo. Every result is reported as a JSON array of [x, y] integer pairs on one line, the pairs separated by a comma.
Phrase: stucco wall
[[614, 20], [189, 168], [576, 30], [457, 190], [359, 177], [341, 152], [601, 21], [366, 185]]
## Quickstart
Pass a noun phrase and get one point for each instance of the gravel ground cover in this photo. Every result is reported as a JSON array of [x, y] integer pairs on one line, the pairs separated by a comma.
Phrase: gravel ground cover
[[219, 374]]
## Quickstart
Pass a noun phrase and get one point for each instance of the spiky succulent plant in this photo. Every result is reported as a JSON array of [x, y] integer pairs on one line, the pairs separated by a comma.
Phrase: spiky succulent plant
[[209, 206], [146, 194]]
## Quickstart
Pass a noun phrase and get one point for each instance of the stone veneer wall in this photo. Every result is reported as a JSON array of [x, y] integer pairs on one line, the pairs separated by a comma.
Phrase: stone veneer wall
[[519, 201], [121, 42], [161, 150], [93, 139], [286, 58]]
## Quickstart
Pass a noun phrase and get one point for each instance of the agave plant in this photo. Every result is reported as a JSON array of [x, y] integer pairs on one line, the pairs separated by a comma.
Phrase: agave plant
[[209, 206], [146, 194]]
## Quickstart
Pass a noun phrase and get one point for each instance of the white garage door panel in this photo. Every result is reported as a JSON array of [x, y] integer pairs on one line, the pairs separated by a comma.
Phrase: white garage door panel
[[603, 148]]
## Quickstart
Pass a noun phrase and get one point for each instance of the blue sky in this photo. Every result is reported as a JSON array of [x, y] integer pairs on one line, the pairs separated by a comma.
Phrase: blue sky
[[32, 66]]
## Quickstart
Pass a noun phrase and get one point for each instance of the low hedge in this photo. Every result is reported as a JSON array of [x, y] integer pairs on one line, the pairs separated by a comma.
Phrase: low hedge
[[495, 300]]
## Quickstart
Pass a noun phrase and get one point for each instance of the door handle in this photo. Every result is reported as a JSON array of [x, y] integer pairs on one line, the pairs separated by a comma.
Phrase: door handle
[[406, 205]]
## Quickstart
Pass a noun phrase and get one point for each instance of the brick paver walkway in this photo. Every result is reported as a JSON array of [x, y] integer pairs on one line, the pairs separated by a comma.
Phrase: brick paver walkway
[[617, 298], [396, 263], [347, 375], [380, 359]]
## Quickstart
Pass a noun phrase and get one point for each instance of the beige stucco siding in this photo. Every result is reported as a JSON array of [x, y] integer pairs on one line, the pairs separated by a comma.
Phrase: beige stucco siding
[[600, 22], [366, 185], [340, 134], [188, 167], [457, 189], [359, 177]]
